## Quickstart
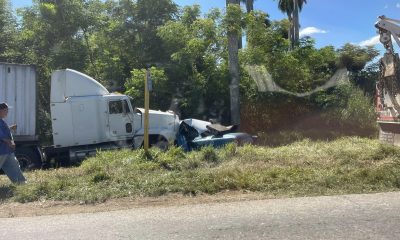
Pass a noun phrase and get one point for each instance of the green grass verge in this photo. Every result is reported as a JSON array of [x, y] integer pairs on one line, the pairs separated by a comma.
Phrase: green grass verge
[[304, 168]]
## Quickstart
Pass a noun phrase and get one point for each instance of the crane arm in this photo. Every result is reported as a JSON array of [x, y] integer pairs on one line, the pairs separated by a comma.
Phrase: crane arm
[[389, 81], [388, 28]]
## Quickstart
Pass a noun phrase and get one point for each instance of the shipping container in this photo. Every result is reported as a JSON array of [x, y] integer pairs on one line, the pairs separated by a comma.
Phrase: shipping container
[[18, 90]]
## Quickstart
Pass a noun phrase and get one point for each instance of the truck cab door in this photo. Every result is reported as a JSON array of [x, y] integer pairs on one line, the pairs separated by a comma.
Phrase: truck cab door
[[120, 119]]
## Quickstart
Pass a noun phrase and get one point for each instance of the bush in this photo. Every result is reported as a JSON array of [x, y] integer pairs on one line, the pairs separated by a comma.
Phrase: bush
[[340, 111], [347, 107]]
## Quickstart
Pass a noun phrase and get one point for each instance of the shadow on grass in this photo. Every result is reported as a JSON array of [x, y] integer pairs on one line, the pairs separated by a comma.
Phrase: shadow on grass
[[6, 193]]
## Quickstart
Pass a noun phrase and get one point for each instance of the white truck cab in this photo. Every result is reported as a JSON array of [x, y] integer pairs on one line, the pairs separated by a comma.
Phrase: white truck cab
[[86, 117]]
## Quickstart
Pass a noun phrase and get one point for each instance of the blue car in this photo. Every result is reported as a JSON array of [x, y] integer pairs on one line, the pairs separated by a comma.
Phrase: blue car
[[194, 134]]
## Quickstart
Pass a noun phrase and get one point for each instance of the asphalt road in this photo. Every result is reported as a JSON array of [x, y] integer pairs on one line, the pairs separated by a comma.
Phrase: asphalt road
[[373, 216]]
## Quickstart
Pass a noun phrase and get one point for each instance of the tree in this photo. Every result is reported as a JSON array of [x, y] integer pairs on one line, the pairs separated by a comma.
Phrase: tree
[[292, 9], [233, 19], [286, 7], [356, 59], [150, 15], [52, 37], [8, 33], [127, 38], [298, 6], [53, 32], [198, 72], [160, 98], [249, 5]]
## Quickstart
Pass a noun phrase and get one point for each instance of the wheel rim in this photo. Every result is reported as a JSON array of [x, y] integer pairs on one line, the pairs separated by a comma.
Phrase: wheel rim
[[24, 162]]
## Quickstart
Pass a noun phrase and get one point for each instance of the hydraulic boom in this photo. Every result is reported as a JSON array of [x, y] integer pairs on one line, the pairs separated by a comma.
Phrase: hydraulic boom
[[388, 85]]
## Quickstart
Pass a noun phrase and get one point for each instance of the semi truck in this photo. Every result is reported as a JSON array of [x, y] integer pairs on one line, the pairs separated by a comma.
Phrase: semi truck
[[85, 117]]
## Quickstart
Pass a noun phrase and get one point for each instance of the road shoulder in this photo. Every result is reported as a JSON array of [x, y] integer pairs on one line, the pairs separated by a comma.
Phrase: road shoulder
[[40, 208]]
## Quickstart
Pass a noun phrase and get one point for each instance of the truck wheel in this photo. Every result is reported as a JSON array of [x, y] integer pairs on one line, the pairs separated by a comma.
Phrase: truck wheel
[[28, 159], [161, 143]]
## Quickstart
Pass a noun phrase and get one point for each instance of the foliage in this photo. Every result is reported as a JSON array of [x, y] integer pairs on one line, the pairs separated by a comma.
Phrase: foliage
[[160, 96], [8, 34], [366, 78], [197, 71], [233, 18], [300, 70], [113, 41], [354, 58], [341, 108], [357, 60], [303, 168], [347, 106], [292, 9]]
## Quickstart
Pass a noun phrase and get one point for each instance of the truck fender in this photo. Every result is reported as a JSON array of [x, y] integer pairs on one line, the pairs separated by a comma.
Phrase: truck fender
[[138, 141], [168, 135]]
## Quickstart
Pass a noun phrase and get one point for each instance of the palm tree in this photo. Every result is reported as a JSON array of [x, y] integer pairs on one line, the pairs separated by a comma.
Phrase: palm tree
[[286, 6], [298, 6], [292, 9], [249, 5]]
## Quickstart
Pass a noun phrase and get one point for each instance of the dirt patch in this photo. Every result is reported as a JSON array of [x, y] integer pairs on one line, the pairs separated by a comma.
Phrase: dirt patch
[[39, 208]]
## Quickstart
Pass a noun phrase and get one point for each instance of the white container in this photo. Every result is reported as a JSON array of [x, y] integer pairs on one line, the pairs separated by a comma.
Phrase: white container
[[18, 90]]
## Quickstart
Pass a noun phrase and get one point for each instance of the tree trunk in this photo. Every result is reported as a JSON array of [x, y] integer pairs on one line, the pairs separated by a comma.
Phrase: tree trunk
[[249, 5], [296, 23], [291, 32], [233, 40]]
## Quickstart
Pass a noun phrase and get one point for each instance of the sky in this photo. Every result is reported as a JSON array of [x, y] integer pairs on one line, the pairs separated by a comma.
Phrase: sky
[[329, 22]]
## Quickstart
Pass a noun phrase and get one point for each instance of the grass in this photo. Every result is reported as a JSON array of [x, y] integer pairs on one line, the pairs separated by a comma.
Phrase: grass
[[303, 168]]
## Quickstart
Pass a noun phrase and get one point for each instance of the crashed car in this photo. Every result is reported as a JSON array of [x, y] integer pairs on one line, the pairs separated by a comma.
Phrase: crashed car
[[194, 134]]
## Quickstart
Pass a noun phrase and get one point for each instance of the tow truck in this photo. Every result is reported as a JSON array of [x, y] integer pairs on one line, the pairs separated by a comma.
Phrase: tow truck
[[388, 84]]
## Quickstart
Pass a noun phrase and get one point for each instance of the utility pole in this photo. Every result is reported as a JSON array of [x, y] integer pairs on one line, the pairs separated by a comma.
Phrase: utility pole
[[147, 88]]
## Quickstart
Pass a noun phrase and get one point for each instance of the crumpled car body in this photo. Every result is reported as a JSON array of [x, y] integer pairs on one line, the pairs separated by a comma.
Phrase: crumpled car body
[[194, 134]]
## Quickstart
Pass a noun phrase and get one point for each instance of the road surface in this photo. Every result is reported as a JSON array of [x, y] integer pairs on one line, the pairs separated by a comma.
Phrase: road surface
[[369, 216]]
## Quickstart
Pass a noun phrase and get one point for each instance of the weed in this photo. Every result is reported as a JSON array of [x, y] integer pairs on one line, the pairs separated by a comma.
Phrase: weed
[[302, 168], [208, 154]]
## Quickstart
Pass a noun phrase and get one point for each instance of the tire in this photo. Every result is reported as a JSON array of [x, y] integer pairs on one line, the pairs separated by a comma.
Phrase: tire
[[161, 144], [28, 159]]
